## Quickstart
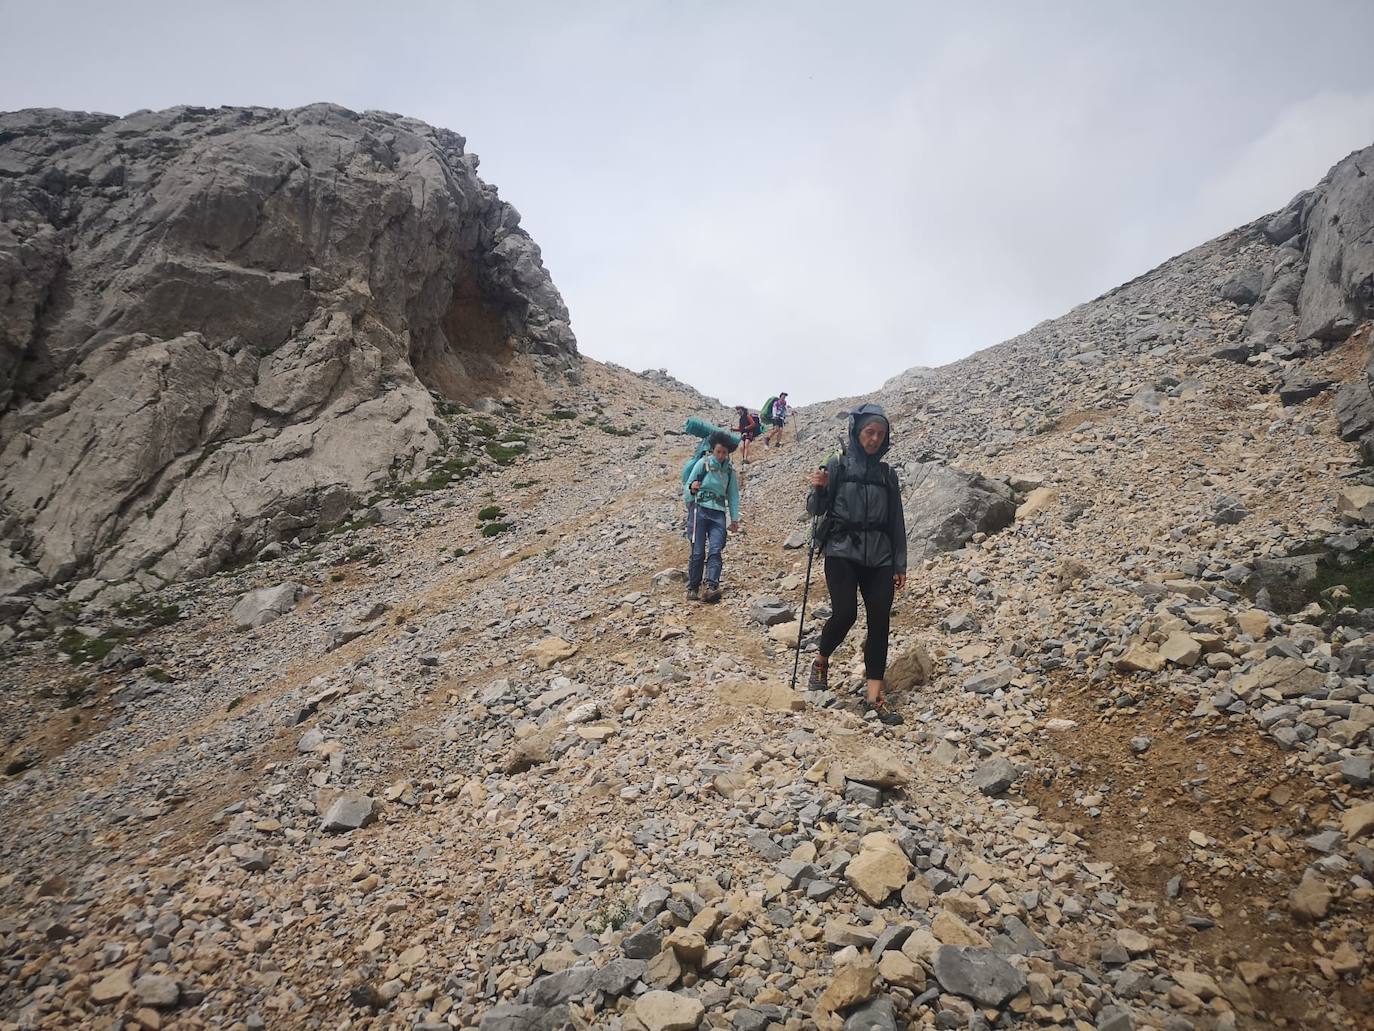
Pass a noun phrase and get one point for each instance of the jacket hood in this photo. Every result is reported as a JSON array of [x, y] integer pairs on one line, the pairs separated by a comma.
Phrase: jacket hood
[[856, 449]]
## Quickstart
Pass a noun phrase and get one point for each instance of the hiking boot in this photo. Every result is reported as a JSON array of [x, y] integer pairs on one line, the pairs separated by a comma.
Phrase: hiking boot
[[819, 680], [711, 594], [694, 594], [883, 712]]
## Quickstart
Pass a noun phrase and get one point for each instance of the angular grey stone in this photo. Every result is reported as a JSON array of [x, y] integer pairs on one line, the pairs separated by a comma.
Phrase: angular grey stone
[[992, 681], [1115, 1018], [1300, 386], [939, 880], [254, 861], [996, 776], [1355, 770], [820, 890], [1353, 406], [1241, 287], [651, 901], [765, 846], [348, 813], [874, 1015], [1228, 511], [259, 607], [1326, 842], [771, 612], [552, 989], [645, 943], [864, 794], [1288, 222], [1275, 317], [157, 990], [617, 976], [798, 874], [977, 974], [892, 937]]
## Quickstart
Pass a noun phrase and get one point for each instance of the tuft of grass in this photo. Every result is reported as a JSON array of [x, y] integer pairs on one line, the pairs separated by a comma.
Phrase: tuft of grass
[[502, 454], [148, 613], [489, 513], [82, 649], [495, 529], [158, 675], [459, 552], [613, 914], [234, 703], [563, 413]]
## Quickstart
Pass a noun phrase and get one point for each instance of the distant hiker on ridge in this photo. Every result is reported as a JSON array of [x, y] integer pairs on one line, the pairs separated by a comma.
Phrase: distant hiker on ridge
[[748, 427], [774, 413], [711, 494], [862, 533]]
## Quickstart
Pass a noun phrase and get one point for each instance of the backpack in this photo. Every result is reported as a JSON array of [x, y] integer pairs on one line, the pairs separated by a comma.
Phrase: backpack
[[767, 410], [696, 456], [828, 525]]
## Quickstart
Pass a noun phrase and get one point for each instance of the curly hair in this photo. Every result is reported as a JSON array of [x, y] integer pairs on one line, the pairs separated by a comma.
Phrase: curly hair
[[721, 437]]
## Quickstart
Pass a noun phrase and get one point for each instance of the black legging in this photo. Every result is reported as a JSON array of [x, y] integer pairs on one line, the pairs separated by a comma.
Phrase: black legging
[[843, 578]]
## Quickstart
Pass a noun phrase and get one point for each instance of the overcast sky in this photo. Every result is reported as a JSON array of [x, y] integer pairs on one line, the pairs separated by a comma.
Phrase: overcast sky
[[789, 195]]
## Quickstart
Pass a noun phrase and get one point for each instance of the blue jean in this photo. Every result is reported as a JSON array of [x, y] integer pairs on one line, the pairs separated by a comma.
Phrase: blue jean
[[707, 529]]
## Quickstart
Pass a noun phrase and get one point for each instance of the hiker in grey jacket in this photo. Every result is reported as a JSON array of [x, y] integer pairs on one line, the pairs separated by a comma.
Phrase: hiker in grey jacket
[[865, 547]]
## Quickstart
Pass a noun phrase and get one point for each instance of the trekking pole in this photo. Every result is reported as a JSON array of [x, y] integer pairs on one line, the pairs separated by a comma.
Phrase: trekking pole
[[806, 590]]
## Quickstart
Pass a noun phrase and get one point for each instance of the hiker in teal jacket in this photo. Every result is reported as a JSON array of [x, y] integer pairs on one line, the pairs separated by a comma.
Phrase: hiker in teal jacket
[[712, 496]]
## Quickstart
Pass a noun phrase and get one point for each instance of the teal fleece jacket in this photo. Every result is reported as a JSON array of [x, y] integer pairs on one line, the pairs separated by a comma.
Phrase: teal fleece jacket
[[719, 486]]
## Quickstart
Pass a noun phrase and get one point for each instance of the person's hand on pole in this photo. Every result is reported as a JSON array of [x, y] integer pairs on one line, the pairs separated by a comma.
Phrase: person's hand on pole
[[695, 486], [820, 478], [898, 580]]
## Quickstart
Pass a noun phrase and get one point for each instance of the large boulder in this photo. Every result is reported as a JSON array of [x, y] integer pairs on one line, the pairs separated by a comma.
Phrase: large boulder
[[1338, 290], [220, 327], [1288, 223], [264, 605], [1275, 317], [977, 974], [1241, 287], [946, 506], [1354, 409]]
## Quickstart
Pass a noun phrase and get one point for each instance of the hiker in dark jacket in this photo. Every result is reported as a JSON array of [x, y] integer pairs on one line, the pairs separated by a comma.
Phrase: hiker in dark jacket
[[865, 548]]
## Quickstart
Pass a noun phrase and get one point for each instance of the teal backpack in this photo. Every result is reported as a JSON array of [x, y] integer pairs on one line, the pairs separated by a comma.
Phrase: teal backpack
[[703, 429]]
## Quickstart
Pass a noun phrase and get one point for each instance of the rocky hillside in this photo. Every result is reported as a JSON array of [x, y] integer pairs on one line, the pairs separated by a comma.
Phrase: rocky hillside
[[222, 328], [471, 760]]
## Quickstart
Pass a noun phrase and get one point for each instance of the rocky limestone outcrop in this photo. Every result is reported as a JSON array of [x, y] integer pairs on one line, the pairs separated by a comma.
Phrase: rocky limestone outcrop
[[219, 327], [1319, 288], [945, 507]]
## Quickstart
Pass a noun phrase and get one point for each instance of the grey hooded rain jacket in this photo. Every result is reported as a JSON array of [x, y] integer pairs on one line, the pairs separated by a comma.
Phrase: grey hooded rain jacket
[[870, 528]]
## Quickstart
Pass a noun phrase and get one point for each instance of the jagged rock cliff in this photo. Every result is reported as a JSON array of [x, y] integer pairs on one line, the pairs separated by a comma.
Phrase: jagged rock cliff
[[220, 327]]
